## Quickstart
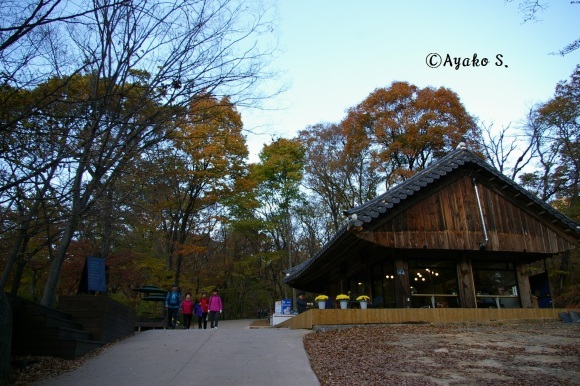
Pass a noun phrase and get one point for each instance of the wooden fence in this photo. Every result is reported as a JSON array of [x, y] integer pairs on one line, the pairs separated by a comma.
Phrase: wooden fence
[[327, 317]]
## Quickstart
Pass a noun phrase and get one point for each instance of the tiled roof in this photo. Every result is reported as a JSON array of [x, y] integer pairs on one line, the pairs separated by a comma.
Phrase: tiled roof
[[366, 213]]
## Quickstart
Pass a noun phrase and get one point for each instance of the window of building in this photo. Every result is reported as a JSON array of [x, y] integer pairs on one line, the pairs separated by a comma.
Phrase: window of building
[[499, 280], [433, 283]]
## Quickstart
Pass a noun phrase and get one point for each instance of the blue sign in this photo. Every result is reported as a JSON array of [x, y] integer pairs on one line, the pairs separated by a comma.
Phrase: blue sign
[[96, 280]]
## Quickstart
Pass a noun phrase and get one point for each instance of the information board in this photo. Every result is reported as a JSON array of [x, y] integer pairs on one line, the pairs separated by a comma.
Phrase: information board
[[93, 279]]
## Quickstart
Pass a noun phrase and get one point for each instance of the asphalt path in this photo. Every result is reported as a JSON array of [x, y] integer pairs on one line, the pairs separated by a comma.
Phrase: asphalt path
[[233, 354]]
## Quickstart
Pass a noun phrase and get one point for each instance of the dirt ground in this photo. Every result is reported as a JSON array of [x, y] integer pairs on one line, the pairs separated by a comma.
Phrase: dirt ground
[[539, 353]]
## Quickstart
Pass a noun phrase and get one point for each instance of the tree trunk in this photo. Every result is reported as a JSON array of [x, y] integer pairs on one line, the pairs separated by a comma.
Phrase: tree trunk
[[19, 247], [56, 264], [18, 277]]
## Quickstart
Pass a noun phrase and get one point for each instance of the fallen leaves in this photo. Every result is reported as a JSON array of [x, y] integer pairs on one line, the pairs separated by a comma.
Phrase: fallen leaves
[[498, 354]]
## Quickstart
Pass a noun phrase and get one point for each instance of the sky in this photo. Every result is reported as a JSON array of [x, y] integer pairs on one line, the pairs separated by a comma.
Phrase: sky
[[333, 54]]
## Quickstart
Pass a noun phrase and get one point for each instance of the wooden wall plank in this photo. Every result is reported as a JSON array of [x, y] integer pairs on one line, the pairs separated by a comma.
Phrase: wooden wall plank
[[449, 219]]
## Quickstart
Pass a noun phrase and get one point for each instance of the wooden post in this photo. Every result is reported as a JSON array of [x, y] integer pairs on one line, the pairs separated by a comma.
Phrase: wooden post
[[402, 283], [525, 290], [466, 284]]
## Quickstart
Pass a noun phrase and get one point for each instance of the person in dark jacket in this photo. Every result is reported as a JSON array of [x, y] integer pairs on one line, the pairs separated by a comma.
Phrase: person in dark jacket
[[301, 303]]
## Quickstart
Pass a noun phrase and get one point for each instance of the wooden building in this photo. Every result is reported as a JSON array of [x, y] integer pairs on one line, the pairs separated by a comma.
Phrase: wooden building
[[458, 234]]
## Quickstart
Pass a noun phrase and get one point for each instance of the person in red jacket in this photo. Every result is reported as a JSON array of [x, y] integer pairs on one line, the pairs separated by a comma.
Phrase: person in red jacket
[[214, 306], [203, 304], [187, 311]]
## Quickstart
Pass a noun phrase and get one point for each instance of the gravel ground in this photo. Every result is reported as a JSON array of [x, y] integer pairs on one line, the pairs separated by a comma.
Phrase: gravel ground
[[546, 353]]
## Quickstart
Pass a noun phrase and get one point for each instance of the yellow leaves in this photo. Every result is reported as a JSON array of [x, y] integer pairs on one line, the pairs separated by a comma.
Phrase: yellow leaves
[[191, 249], [212, 130]]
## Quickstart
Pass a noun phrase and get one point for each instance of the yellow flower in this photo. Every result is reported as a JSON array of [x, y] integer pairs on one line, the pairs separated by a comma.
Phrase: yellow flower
[[342, 297], [321, 298], [363, 298]]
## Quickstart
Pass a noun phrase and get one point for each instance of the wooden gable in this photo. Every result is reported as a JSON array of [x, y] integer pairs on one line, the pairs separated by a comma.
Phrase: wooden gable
[[449, 218]]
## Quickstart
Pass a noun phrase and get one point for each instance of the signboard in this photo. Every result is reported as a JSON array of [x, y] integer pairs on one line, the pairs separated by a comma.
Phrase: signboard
[[286, 306], [94, 279], [283, 307]]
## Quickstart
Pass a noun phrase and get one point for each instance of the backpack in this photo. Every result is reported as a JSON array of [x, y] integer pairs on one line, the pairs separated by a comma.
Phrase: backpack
[[173, 299]]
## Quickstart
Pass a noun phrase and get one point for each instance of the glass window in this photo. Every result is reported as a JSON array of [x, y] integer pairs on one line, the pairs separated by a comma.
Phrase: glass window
[[499, 280], [433, 283]]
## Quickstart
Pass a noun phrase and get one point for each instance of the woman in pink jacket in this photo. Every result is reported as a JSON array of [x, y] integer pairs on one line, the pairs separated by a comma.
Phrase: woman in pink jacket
[[214, 306]]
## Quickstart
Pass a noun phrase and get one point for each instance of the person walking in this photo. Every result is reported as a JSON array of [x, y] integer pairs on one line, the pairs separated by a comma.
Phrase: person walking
[[203, 303], [214, 306], [187, 310], [301, 303], [197, 312], [172, 303]]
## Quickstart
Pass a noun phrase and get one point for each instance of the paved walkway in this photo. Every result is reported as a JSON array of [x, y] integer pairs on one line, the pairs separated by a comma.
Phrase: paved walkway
[[234, 354]]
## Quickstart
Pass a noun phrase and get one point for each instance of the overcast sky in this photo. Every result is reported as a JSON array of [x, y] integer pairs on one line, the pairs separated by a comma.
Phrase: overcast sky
[[335, 53]]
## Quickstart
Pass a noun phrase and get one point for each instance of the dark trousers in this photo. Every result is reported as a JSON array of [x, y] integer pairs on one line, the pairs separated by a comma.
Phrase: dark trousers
[[187, 320], [202, 319], [172, 317], [213, 318]]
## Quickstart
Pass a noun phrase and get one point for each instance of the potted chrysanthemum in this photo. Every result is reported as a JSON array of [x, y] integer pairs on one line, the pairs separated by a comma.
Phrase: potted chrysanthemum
[[364, 301], [321, 299], [343, 299]]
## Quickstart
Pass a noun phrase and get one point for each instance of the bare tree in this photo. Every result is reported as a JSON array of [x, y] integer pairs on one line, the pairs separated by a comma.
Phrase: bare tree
[[509, 150], [530, 9], [339, 178]]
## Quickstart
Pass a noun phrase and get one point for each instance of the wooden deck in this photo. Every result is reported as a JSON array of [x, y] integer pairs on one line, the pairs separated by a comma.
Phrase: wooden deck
[[316, 317]]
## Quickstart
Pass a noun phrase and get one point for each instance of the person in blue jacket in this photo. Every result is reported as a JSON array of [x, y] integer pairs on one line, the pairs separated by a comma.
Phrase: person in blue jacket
[[198, 311], [172, 304]]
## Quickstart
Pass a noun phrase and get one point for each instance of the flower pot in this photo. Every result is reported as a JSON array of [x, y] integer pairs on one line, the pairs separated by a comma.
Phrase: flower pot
[[321, 304], [363, 305], [344, 304]]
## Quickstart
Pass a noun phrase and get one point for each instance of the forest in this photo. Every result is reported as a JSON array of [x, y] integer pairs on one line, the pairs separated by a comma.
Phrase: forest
[[127, 144]]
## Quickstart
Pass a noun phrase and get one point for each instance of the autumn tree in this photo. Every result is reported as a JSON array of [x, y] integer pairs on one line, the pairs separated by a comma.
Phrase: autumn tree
[[554, 127], [561, 115], [30, 35], [277, 178], [209, 155], [407, 127], [340, 178], [135, 67], [556, 175]]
